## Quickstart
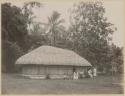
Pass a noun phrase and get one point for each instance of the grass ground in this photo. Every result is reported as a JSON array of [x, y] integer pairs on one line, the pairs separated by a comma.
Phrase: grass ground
[[13, 84]]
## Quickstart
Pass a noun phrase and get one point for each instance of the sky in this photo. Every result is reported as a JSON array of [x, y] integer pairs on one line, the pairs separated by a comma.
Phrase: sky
[[114, 13]]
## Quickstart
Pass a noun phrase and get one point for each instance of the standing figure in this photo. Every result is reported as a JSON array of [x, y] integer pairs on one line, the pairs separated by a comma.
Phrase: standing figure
[[90, 73], [75, 75], [94, 72]]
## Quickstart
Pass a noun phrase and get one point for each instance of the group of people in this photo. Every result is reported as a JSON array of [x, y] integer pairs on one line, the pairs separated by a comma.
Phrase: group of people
[[91, 72]]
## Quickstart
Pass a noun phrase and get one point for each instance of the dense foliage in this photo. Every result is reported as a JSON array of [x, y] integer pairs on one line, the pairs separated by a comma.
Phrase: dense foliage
[[91, 31], [89, 34], [14, 28]]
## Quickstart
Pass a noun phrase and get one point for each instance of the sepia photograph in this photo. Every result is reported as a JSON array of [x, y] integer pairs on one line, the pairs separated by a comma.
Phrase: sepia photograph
[[62, 47]]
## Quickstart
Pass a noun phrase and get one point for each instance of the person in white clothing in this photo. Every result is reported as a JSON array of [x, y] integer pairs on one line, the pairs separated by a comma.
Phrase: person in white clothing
[[75, 75], [94, 72]]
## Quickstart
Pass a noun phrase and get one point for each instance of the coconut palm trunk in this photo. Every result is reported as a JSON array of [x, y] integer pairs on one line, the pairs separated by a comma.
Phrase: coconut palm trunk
[[53, 38]]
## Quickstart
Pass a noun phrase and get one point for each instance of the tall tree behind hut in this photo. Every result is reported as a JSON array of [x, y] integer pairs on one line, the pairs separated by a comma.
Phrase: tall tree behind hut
[[32, 26], [54, 26], [91, 32]]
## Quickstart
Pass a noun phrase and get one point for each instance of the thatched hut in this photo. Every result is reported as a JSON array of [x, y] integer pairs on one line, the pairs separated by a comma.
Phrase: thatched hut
[[51, 62]]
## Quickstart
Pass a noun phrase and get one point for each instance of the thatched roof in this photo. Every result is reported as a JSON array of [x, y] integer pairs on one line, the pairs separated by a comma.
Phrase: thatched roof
[[48, 55]]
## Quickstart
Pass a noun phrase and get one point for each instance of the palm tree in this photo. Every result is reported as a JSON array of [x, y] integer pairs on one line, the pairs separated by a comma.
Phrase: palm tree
[[54, 26]]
